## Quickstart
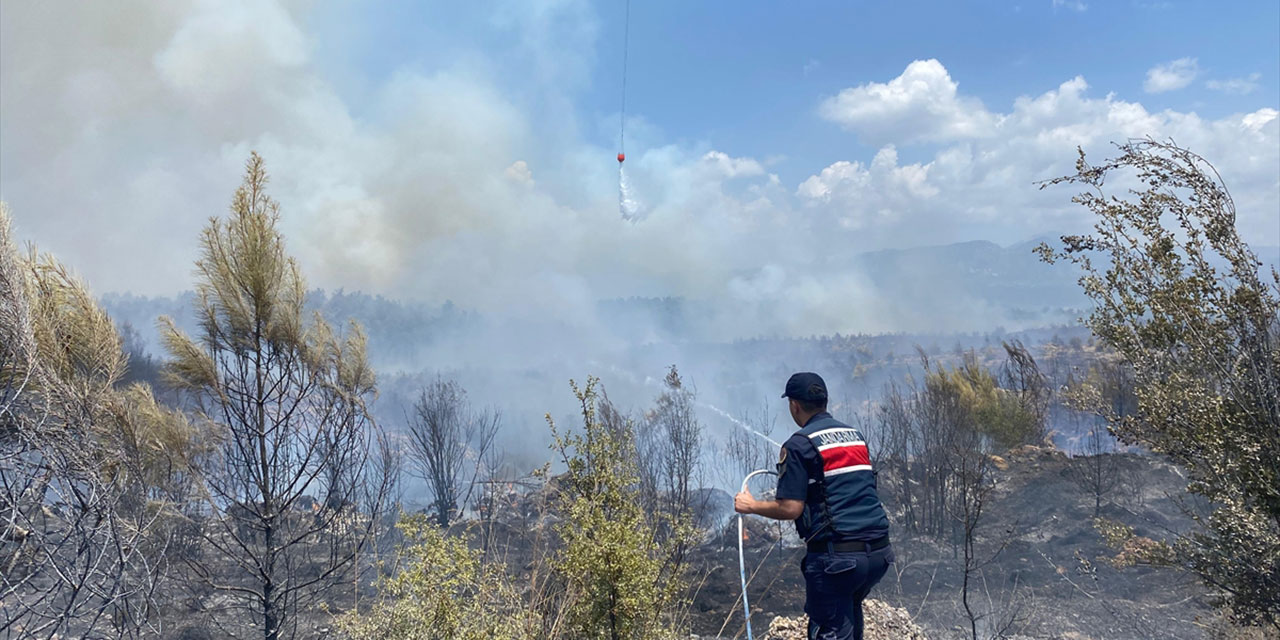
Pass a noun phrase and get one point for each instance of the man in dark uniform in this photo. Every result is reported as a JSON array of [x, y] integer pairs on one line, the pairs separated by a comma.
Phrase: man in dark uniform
[[826, 485]]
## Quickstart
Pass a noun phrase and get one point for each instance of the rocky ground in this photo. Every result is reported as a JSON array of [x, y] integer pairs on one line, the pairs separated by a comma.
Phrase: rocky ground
[[883, 622]]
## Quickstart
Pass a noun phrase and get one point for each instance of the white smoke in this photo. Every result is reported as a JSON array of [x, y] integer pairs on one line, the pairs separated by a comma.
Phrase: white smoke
[[417, 181]]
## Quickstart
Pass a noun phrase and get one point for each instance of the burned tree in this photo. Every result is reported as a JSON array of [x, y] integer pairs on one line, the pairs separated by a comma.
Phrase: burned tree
[[973, 485], [89, 473], [287, 398], [1022, 376], [969, 414], [1105, 395], [902, 454], [743, 452], [1096, 469], [930, 430], [670, 445], [448, 444]]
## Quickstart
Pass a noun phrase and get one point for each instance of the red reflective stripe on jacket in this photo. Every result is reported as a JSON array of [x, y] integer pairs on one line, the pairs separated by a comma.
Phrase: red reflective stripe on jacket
[[846, 456]]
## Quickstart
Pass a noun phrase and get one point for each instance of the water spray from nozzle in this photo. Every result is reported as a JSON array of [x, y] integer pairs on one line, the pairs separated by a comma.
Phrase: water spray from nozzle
[[742, 425]]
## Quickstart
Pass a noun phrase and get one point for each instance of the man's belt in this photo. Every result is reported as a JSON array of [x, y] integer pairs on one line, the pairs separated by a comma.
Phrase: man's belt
[[851, 545]]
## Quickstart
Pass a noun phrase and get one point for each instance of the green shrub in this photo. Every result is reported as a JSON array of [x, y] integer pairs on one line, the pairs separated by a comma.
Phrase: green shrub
[[625, 584], [998, 414], [444, 591]]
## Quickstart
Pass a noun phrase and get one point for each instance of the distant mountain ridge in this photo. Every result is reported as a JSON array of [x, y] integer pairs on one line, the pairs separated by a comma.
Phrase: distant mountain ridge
[[1012, 277]]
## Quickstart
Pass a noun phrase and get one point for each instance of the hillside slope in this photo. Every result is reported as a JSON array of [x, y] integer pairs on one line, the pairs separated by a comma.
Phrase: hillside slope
[[1051, 576]]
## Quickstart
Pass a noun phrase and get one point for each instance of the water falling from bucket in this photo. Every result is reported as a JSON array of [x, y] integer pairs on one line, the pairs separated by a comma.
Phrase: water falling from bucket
[[627, 204]]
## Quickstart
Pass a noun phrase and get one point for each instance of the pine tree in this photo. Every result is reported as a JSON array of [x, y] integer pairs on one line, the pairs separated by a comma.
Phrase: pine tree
[[286, 399]]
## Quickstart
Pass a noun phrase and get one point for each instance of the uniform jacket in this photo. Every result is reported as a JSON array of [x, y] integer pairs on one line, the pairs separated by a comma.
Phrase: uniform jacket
[[826, 464]]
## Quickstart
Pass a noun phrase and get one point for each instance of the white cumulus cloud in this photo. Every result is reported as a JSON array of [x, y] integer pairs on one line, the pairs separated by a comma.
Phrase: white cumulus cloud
[[922, 104], [873, 194], [1258, 120], [985, 186], [730, 167], [1171, 75]]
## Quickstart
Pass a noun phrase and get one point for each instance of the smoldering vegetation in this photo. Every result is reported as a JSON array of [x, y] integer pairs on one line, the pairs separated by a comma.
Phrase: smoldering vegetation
[[257, 459]]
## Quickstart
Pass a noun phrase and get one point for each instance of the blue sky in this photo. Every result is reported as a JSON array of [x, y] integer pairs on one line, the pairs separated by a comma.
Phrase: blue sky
[[736, 74], [746, 77], [464, 151]]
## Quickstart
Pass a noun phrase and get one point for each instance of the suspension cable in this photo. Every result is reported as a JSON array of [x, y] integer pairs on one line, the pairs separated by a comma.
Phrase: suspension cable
[[622, 112]]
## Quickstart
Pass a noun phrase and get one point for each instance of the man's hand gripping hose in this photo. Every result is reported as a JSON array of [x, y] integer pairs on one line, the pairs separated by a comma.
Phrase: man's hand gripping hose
[[742, 565]]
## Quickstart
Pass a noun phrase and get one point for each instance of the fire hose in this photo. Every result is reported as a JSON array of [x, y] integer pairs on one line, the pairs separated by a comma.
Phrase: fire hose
[[742, 565]]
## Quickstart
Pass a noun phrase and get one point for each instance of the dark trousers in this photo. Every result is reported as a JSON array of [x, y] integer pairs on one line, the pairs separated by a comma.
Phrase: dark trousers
[[835, 585]]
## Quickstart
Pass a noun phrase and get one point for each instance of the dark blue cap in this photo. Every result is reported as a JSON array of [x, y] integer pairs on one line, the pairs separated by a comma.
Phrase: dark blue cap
[[806, 387]]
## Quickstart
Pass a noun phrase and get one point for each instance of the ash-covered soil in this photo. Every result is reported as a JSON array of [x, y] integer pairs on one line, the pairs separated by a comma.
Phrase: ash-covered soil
[[1051, 577]]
